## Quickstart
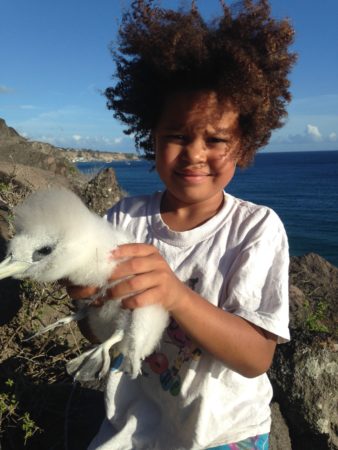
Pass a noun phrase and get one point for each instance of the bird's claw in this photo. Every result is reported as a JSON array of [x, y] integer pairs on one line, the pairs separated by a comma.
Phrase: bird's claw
[[91, 365], [95, 363]]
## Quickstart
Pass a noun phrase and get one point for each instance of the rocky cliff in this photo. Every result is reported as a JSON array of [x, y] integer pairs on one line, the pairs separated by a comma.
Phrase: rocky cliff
[[19, 150], [304, 371], [14, 147], [37, 399]]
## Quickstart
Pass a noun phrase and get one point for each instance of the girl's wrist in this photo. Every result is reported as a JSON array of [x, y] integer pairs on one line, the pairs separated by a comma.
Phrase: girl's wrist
[[183, 302]]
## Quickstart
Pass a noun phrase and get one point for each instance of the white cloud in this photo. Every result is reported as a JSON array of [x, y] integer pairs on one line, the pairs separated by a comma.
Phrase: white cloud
[[27, 107], [312, 138], [5, 90], [74, 127], [313, 132]]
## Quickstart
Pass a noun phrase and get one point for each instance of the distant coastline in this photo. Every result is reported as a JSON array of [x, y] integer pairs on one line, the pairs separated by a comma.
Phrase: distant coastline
[[85, 155]]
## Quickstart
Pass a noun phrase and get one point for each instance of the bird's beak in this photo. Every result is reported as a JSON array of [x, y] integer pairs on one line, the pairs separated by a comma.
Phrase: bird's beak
[[11, 266]]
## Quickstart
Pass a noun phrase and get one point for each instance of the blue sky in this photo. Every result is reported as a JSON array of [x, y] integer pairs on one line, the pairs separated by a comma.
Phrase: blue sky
[[55, 62]]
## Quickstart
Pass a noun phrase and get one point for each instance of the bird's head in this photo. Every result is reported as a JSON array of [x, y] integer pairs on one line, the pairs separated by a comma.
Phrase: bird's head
[[30, 257], [54, 236]]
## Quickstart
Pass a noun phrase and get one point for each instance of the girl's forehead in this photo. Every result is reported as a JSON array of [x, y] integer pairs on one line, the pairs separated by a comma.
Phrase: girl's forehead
[[200, 109]]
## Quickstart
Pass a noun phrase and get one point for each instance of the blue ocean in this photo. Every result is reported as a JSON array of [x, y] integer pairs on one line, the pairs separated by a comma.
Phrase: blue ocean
[[302, 187]]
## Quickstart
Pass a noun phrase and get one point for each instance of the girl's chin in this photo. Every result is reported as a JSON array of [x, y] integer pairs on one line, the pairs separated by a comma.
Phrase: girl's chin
[[191, 196]]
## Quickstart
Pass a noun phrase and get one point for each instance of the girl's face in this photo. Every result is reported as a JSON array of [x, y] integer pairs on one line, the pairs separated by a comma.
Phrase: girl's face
[[197, 141]]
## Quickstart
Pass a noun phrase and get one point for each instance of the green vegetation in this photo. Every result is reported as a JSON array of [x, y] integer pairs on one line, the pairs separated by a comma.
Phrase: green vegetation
[[3, 187], [315, 317], [72, 170], [10, 413]]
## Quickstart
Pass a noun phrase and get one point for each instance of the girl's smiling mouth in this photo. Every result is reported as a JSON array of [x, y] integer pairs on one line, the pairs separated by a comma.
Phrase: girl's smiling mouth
[[192, 176]]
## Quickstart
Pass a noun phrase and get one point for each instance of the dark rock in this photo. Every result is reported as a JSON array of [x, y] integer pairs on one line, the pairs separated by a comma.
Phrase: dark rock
[[102, 191], [317, 279], [304, 378], [10, 301], [279, 436], [304, 371], [298, 304]]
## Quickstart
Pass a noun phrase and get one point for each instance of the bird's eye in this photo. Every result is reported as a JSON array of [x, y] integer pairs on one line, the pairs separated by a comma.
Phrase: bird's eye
[[42, 252], [45, 250]]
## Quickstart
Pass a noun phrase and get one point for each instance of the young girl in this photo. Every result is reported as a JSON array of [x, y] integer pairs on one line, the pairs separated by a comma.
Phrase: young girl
[[201, 99]]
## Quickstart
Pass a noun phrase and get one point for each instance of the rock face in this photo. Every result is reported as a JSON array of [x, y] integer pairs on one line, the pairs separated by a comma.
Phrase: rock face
[[9, 134], [304, 372], [279, 435], [16, 149], [102, 191]]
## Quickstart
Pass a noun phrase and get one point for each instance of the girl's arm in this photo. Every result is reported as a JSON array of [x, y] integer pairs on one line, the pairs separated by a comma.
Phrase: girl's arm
[[239, 344]]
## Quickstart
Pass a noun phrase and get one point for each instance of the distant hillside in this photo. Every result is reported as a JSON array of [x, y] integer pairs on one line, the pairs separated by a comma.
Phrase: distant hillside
[[14, 147], [8, 133], [95, 155]]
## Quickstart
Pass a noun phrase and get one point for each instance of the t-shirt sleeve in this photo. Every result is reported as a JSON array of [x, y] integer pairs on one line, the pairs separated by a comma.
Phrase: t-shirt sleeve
[[257, 287]]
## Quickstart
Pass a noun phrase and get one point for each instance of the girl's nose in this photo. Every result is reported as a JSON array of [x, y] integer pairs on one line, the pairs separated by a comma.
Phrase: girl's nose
[[194, 151]]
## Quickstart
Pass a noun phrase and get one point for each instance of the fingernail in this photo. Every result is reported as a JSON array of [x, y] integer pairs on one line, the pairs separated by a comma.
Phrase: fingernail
[[115, 253]]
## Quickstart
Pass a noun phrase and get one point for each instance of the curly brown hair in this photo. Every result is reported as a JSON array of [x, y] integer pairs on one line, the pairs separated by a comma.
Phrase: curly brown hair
[[242, 56]]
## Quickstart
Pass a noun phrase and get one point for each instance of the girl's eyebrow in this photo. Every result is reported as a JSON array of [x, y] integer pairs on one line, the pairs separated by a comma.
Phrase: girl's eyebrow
[[225, 131], [174, 127]]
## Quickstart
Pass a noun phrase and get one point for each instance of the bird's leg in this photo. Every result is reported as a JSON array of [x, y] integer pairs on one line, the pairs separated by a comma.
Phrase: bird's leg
[[95, 363], [78, 315]]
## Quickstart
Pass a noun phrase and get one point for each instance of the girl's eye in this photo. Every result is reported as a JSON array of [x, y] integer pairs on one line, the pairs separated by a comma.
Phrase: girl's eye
[[175, 137], [216, 140], [179, 137]]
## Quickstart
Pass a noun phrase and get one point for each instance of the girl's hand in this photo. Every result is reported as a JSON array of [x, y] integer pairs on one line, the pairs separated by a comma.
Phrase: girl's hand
[[146, 278], [76, 292]]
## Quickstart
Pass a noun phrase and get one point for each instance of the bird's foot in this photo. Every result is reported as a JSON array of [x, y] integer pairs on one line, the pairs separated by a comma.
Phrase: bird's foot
[[81, 314], [95, 363]]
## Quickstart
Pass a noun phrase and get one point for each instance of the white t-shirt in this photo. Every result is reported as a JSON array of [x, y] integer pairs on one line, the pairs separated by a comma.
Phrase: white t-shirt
[[186, 398]]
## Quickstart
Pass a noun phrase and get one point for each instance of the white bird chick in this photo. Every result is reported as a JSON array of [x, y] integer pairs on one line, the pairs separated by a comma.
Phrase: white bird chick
[[57, 237]]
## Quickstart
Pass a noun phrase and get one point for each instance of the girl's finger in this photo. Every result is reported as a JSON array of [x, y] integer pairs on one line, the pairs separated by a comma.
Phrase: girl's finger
[[131, 250], [137, 265], [139, 300], [134, 284], [81, 292]]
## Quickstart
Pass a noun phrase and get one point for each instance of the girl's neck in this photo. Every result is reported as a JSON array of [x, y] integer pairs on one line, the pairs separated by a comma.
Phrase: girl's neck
[[180, 216]]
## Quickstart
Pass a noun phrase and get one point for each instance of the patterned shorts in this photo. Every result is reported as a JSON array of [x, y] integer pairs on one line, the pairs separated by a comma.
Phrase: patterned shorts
[[260, 442]]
